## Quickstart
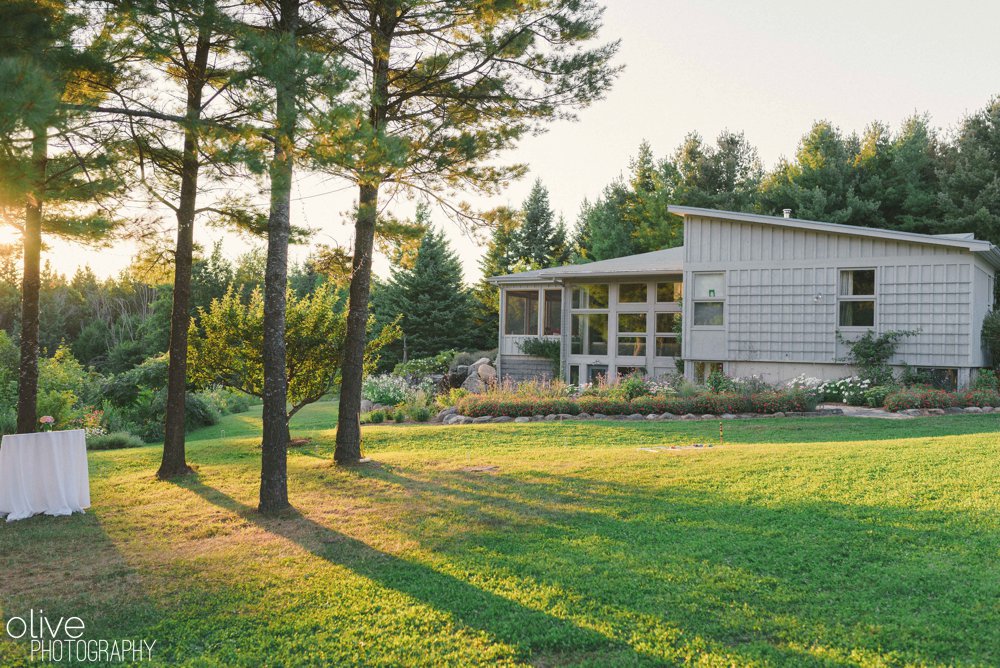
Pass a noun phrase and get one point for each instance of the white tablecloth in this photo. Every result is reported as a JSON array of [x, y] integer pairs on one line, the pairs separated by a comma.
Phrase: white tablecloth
[[43, 473]]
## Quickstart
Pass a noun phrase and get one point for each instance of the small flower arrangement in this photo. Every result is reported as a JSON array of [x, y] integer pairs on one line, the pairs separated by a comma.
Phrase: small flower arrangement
[[46, 421]]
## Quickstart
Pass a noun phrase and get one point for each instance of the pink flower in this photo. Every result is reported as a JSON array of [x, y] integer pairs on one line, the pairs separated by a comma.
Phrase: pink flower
[[46, 419]]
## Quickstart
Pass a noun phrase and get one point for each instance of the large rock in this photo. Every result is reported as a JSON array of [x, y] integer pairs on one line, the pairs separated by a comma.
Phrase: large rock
[[486, 372], [366, 406], [474, 384]]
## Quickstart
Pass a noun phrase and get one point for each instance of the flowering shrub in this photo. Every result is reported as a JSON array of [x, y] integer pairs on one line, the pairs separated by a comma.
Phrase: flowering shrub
[[918, 397], [716, 404], [875, 397], [848, 390], [977, 398], [385, 389]]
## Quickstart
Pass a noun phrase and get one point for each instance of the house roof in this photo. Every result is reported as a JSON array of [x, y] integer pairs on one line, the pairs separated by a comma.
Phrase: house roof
[[656, 262], [966, 241]]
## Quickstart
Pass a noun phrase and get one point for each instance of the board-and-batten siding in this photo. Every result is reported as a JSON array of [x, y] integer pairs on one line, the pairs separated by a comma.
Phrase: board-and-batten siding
[[789, 314]]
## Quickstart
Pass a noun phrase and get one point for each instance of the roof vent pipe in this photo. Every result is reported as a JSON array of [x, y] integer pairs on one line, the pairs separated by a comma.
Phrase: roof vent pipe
[[787, 212]]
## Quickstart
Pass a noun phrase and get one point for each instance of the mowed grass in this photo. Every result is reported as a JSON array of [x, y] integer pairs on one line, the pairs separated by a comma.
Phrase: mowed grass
[[832, 542]]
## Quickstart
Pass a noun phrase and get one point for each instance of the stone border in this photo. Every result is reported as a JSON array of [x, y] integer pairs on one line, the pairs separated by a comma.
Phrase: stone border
[[954, 410]]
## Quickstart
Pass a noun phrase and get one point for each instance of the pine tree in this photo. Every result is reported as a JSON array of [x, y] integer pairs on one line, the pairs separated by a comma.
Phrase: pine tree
[[536, 241], [498, 260], [430, 299]]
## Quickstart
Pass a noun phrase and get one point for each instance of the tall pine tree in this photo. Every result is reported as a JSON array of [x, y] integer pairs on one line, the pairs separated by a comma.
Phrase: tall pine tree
[[431, 301]]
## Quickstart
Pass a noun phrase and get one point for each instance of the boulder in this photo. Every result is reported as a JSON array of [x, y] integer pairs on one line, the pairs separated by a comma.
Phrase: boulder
[[451, 419], [953, 410], [451, 410], [709, 416], [935, 411], [689, 416], [652, 416], [668, 416], [481, 361], [481, 419], [474, 384], [973, 409], [600, 416], [486, 373], [727, 416], [583, 416], [779, 414], [502, 418], [564, 416], [522, 419], [550, 417], [636, 416], [366, 406]]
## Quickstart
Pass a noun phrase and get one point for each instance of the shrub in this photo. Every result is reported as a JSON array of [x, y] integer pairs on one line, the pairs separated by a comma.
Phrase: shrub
[[875, 397], [550, 349], [632, 386], [871, 353], [451, 397], [425, 366], [115, 441], [922, 397], [977, 398], [985, 379], [477, 405], [399, 416], [991, 336], [227, 400], [606, 405], [718, 382], [374, 417], [421, 414], [386, 389]]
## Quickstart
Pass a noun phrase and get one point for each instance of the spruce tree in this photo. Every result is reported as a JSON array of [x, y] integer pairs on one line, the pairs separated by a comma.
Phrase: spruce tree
[[433, 304], [537, 242]]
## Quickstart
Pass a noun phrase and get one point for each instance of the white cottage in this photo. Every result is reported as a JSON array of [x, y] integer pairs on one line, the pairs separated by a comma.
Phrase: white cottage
[[762, 295]]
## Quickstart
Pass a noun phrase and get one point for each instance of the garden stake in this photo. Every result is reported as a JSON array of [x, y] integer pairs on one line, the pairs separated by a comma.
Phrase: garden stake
[[721, 440]]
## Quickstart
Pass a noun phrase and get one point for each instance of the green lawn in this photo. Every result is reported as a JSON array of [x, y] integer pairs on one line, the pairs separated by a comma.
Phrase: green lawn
[[825, 541]]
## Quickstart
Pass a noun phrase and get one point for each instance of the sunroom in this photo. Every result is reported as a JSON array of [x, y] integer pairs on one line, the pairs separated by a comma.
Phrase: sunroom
[[610, 318]]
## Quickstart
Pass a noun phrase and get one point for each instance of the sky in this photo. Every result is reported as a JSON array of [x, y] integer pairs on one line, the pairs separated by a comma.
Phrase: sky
[[766, 67]]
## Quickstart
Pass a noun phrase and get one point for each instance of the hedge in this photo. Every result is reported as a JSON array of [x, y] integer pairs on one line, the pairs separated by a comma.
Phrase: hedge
[[715, 404], [925, 397]]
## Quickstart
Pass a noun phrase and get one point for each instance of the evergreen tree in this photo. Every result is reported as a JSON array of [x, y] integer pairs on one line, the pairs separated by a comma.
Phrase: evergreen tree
[[538, 242], [970, 176], [499, 259], [430, 300]]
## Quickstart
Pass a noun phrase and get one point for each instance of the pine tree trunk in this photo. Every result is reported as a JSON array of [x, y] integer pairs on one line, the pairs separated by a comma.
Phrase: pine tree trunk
[[174, 460], [348, 449], [27, 382], [274, 465]]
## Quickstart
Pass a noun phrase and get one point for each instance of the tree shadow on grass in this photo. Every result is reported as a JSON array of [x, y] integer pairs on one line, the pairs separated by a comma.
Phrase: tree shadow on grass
[[532, 633], [835, 580]]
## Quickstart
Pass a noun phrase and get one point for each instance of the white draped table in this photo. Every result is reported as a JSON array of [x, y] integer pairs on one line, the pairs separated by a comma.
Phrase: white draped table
[[43, 473]]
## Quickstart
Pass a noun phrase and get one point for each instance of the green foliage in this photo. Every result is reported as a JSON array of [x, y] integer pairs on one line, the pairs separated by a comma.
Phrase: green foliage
[[429, 301], [226, 349], [399, 416], [550, 349], [632, 386], [876, 396], [991, 336], [114, 441], [422, 414], [718, 382], [387, 390], [918, 397], [985, 379], [538, 242], [871, 353], [424, 366]]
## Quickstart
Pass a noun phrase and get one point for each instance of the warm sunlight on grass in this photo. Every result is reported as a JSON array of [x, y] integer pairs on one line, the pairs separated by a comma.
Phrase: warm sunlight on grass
[[800, 542]]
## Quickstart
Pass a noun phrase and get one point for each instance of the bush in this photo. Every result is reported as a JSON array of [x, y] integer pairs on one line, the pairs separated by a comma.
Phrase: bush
[[876, 396], [421, 414], [718, 382], [451, 398], [633, 385], [985, 379], [227, 400], [922, 397], [871, 353], [115, 441], [716, 404], [991, 336], [425, 366], [374, 417], [399, 416], [977, 398], [386, 389], [550, 349]]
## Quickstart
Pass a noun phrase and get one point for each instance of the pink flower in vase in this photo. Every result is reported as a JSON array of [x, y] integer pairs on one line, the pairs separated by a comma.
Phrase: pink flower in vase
[[46, 421]]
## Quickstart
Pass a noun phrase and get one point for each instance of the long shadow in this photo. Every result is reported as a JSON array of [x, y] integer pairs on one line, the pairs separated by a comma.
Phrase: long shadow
[[889, 581], [530, 631]]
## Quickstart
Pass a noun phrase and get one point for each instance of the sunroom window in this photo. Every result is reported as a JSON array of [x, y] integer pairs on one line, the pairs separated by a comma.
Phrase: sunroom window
[[669, 291], [590, 297], [857, 298], [521, 313], [667, 341], [552, 324], [632, 334]]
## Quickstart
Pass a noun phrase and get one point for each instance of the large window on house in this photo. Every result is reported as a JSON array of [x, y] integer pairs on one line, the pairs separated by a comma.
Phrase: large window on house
[[590, 334], [709, 300], [632, 293], [667, 339], [856, 298], [521, 313], [590, 296], [669, 291], [632, 334], [552, 323]]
